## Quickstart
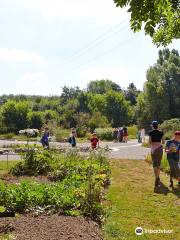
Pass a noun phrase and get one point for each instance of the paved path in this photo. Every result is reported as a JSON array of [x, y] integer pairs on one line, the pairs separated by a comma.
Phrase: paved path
[[130, 150]]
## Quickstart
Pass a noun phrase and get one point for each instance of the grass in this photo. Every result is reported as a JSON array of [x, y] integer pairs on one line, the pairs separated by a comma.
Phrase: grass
[[164, 162], [132, 202], [4, 168]]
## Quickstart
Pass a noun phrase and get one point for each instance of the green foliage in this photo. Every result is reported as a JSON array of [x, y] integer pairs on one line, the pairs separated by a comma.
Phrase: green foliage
[[104, 133], [170, 126], [116, 109], [132, 131], [159, 18], [76, 187], [61, 134], [81, 131], [36, 161], [160, 99], [14, 115], [98, 121], [102, 86], [35, 120]]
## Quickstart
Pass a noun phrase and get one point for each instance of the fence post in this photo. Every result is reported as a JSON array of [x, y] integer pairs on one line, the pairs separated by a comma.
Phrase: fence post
[[7, 161]]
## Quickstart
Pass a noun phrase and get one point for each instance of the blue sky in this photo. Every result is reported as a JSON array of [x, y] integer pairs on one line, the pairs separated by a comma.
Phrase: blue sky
[[46, 44]]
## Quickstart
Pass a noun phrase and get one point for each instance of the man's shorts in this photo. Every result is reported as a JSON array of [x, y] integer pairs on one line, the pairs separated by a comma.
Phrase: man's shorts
[[174, 167], [157, 157]]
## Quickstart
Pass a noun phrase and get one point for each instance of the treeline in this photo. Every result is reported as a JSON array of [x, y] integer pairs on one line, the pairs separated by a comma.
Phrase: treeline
[[102, 104]]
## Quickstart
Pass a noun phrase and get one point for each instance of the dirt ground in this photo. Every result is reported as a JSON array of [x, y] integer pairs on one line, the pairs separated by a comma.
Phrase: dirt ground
[[53, 227]]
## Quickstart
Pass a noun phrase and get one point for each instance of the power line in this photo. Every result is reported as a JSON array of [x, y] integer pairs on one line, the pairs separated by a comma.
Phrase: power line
[[105, 53], [97, 41]]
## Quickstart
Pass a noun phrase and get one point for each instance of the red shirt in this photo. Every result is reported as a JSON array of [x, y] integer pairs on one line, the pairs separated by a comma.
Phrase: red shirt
[[94, 141]]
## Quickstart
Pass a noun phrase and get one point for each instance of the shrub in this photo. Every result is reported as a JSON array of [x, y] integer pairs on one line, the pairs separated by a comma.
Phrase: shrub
[[104, 133], [170, 126], [61, 134], [8, 135], [132, 131], [36, 162], [81, 131]]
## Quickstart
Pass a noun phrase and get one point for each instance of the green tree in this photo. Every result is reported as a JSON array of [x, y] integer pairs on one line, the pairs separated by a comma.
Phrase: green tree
[[14, 115], [161, 19], [35, 120], [131, 93], [161, 97], [102, 86], [98, 121], [116, 109]]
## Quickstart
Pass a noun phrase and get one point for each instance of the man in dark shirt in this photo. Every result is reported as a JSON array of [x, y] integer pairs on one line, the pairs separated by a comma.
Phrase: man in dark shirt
[[155, 141]]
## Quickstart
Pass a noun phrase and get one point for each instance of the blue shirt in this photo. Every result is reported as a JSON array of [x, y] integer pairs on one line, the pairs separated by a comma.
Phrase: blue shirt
[[176, 145]]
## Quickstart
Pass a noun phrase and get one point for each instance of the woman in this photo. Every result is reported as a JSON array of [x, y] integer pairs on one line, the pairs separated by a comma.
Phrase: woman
[[45, 138], [155, 141]]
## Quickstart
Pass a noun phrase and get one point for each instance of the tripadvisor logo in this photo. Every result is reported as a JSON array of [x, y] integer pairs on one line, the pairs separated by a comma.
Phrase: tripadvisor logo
[[139, 231]]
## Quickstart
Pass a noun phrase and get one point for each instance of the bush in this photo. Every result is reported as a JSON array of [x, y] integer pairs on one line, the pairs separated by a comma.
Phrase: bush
[[170, 126], [8, 135], [36, 162], [132, 131], [81, 131], [104, 133], [61, 134]]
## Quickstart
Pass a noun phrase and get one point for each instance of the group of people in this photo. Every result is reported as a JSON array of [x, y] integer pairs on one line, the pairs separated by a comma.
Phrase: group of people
[[72, 139], [156, 139], [94, 139], [120, 134], [172, 149]]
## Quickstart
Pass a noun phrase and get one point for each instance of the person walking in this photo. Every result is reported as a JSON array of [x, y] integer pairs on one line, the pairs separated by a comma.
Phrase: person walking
[[120, 134], [94, 141], [125, 134], [143, 135], [173, 153], [45, 138], [156, 140], [72, 138], [115, 134]]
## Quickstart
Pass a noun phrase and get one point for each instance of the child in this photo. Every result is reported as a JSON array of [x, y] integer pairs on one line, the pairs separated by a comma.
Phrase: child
[[72, 138], [45, 138], [94, 141], [173, 150]]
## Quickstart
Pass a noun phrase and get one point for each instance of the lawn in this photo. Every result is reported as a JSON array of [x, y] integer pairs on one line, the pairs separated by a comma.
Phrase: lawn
[[132, 202]]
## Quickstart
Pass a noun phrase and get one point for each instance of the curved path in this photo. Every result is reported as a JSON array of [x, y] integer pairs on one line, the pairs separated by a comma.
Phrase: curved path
[[130, 150]]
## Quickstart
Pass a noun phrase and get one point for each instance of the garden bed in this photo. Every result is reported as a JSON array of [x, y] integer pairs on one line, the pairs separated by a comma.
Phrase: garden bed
[[52, 227]]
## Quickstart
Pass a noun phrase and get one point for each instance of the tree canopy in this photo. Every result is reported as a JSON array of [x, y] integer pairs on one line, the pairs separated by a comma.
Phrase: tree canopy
[[160, 18]]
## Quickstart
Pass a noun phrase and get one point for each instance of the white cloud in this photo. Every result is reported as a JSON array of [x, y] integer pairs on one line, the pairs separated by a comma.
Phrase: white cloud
[[34, 83], [103, 11], [20, 55]]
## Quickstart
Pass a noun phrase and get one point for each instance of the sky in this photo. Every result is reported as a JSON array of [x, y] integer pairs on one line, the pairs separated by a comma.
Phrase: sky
[[46, 44]]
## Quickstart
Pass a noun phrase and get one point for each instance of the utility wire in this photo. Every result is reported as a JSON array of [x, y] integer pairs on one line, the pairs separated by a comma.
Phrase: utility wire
[[103, 54], [97, 41]]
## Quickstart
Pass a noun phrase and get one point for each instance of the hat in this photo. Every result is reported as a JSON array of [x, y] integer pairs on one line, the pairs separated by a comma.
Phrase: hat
[[177, 133], [154, 123]]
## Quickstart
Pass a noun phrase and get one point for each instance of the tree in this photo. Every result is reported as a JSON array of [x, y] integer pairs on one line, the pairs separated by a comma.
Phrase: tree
[[102, 86], [14, 115], [131, 93], [116, 109], [35, 120], [161, 18], [161, 97]]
